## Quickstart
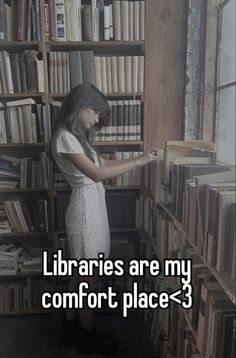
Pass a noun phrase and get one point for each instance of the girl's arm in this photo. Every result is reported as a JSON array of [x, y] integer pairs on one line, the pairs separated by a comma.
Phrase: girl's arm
[[87, 167], [109, 162]]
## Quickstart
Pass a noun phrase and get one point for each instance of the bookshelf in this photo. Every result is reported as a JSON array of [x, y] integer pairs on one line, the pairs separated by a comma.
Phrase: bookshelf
[[41, 49], [163, 109], [171, 236]]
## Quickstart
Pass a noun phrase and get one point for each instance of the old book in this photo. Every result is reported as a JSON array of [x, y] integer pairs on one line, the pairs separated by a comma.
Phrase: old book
[[107, 22], [98, 77], [134, 68], [136, 20], [140, 85], [52, 20], [15, 72], [142, 20], [111, 27], [117, 19], [108, 74], [31, 70], [22, 68], [103, 73], [87, 22], [88, 67], [225, 237], [207, 289], [124, 16], [95, 20], [60, 20], [128, 74], [7, 71], [131, 20], [120, 120], [114, 74], [212, 219], [37, 20], [21, 20], [121, 73], [114, 131]]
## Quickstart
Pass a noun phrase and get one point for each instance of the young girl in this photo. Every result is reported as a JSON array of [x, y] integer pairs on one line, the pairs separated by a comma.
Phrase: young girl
[[86, 216]]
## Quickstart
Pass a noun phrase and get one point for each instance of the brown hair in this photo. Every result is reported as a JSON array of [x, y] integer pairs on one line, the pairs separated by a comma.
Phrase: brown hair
[[80, 97]]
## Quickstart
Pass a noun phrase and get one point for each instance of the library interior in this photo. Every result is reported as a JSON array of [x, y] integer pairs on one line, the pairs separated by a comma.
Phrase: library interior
[[117, 178]]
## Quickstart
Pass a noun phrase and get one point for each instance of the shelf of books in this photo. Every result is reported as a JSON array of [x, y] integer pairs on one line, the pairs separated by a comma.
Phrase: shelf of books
[[189, 211], [49, 52]]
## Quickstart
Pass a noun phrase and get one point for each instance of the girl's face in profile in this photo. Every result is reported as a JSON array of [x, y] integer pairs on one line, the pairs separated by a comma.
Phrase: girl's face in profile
[[89, 117]]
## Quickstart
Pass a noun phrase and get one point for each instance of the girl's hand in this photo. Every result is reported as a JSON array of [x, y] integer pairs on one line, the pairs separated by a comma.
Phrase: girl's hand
[[146, 158]]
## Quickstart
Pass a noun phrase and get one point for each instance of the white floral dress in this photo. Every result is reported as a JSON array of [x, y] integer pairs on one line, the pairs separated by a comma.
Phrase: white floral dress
[[86, 215]]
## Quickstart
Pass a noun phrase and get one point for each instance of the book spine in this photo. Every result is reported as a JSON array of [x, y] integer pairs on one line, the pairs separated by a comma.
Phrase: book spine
[[2, 20], [60, 20]]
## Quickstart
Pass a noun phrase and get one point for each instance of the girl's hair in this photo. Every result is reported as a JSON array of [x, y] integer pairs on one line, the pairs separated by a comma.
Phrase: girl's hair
[[81, 97]]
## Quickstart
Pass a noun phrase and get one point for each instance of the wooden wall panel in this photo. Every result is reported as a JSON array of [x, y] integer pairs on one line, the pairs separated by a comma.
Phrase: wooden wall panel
[[164, 71]]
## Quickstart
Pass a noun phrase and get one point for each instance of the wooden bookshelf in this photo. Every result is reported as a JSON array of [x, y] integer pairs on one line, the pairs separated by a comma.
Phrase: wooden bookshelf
[[162, 98], [99, 47], [224, 279]]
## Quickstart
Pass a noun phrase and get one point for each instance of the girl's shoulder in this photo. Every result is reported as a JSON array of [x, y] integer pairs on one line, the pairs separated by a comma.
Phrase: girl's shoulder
[[66, 142]]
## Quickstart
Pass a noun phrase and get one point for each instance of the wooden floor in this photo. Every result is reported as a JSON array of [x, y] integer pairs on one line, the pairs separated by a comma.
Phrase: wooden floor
[[37, 337]]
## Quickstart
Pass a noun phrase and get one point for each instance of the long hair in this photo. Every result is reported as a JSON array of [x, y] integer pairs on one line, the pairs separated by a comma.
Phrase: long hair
[[80, 97]]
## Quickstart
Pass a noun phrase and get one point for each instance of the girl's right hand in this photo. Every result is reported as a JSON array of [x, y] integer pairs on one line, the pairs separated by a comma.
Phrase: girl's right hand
[[145, 158]]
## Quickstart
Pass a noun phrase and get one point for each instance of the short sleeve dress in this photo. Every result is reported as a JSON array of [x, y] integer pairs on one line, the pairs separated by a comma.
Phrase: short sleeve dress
[[86, 215]]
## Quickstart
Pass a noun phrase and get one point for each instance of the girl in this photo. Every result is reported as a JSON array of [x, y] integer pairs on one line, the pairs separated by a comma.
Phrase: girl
[[86, 216]]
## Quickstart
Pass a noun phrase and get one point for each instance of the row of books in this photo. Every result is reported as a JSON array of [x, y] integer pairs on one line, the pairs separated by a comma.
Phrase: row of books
[[108, 73], [25, 173], [95, 20], [208, 218], [201, 196], [20, 20], [20, 215], [205, 330], [24, 121], [21, 72], [15, 259], [9, 259], [38, 172], [22, 295], [125, 122]]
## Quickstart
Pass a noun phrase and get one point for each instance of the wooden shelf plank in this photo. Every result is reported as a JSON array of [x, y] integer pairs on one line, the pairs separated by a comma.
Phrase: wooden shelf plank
[[109, 95], [19, 45], [129, 47], [23, 234], [16, 96], [119, 143]]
